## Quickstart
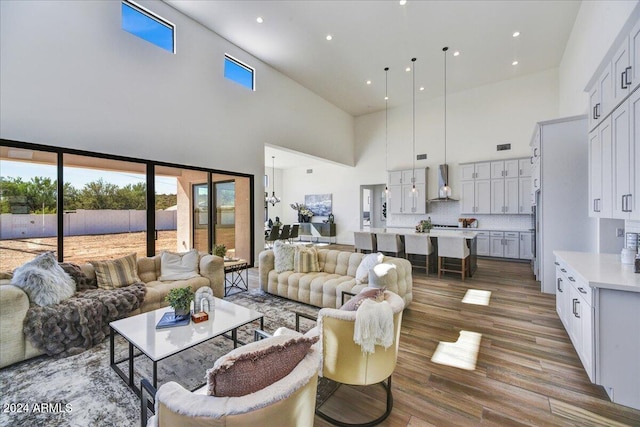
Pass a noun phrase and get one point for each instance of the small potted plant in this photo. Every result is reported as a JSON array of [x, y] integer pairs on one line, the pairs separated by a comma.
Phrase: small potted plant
[[220, 250], [180, 299]]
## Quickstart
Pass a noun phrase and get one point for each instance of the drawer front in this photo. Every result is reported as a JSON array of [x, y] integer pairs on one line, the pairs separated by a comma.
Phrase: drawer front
[[512, 234], [573, 280], [497, 234]]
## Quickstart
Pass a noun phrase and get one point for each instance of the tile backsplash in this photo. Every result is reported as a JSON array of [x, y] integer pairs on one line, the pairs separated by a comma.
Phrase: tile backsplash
[[447, 213], [632, 226]]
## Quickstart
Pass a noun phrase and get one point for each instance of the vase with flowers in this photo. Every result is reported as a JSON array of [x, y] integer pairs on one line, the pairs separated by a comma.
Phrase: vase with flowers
[[304, 213], [424, 226]]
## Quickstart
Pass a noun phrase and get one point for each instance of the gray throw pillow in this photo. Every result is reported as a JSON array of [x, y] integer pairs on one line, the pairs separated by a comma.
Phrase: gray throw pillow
[[43, 280], [283, 256]]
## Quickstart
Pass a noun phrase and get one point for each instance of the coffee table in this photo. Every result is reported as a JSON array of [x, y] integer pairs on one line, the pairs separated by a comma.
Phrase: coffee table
[[158, 344]]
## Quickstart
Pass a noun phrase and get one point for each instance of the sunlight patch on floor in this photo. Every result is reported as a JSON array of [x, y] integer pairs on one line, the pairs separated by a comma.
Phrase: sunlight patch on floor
[[461, 354], [478, 297]]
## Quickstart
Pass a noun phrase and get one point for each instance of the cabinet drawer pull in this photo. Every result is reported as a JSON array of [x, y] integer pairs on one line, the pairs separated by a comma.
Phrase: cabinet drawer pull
[[563, 270], [582, 290], [627, 80], [575, 310], [556, 263], [571, 279], [623, 79], [559, 284]]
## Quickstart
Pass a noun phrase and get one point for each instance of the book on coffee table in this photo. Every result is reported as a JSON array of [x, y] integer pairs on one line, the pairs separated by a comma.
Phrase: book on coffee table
[[170, 320]]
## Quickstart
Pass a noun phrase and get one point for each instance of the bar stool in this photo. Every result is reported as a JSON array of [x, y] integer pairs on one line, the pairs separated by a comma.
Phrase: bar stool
[[364, 241], [453, 247], [415, 244], [389, 243]]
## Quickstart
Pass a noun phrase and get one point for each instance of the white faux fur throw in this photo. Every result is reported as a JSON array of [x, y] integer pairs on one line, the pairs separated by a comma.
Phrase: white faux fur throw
[[374, 325]]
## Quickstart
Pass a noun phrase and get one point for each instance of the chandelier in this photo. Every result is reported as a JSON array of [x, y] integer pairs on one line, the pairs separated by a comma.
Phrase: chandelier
[[273, 199]]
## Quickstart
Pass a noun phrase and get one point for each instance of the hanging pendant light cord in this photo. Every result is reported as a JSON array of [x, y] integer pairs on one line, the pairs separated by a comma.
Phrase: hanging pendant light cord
[[445, 105], [386, 122], [413, 71]]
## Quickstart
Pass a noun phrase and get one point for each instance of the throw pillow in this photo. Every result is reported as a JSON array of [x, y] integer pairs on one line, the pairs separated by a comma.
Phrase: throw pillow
[[376, 294], [256, 365], [43, 280], [367, 263], [283, 254], [178, 266], [383, 276], [83, 282], [116, 273], [305, 260]]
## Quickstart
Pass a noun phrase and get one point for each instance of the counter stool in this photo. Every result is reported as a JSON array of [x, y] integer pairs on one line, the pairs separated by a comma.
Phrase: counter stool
[[418, 245], [364, 241], [389, 243], [453, 247]]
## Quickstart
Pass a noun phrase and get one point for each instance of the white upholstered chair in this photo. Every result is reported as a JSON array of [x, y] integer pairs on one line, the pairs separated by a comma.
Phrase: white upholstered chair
[[364, 241], [415, 244], [389, 243], [453, 247]]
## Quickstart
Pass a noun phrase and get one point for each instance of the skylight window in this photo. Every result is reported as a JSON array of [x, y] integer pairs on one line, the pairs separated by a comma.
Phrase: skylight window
[[148, 26], [239, 72]]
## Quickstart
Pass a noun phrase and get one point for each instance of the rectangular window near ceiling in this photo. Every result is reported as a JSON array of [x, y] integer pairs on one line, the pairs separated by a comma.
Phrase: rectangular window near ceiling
[[148, 26], [239, 72]]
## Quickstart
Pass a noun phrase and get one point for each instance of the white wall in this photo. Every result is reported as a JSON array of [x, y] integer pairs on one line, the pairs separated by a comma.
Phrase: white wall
[[478, 120], [71, 77], [596, 27]]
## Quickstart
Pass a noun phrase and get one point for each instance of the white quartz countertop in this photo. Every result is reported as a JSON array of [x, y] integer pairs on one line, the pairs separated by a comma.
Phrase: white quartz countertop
[[602, 270], [440, 232]]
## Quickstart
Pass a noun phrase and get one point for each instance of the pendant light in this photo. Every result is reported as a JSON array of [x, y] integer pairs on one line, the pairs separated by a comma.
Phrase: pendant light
[[273, 199], [413, 176], [386, 126], [445, 190]]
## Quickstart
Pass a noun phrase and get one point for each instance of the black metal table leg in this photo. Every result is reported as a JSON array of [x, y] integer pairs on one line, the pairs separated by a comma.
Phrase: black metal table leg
[[155, 374], [234, 337], [130, 365]]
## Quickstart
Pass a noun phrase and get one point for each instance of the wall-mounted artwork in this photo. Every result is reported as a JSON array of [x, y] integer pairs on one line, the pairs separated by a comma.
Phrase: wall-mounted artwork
[[319, 204]]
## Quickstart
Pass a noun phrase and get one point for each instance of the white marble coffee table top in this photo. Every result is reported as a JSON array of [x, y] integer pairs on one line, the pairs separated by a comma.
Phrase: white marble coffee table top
[[140, 330]]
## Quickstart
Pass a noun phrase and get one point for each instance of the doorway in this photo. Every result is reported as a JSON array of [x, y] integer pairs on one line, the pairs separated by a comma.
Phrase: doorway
[[373, 206]]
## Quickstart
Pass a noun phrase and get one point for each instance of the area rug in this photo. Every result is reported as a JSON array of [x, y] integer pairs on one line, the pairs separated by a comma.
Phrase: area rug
[[83, 390]]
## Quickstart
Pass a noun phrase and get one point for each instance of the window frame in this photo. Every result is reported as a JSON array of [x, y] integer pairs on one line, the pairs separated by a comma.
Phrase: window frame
[[154, 16], [240, 64]]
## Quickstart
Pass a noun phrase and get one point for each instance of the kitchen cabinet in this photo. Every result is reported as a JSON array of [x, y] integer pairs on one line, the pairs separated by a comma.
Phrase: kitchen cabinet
[[504, 169], [401, 197], [524, 167], [526, 245], [471, 171], [625, 64], [475, 196], [634, 131], [601, 98], [524, 195], [504, 196], [563, 296], [595, 174], [482, 243], [504, 244], [623, 161], [600, 174]]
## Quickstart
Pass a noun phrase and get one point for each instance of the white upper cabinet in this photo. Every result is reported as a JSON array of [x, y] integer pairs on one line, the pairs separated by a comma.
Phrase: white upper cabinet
[[634, 57], [622, 161], [634, 115], [524, 167], [403, 198], [621, 68], [467, 172], [595, 174], [395, 178]]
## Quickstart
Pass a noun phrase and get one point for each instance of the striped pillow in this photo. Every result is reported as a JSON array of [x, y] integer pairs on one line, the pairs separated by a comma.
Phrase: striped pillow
[[116, 273], [305, 260]]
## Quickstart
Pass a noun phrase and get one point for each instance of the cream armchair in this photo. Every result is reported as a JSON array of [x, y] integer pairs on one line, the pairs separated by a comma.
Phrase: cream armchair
[[287, 402], [344, 361]]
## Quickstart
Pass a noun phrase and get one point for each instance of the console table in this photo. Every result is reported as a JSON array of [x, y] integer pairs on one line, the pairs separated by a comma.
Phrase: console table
[[317, 230]]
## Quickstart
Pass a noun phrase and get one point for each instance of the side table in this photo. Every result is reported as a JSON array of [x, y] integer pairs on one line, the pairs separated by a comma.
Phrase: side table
[[233, 277]]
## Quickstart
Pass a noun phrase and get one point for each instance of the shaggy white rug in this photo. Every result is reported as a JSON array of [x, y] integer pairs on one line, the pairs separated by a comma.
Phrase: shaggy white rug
[[83, 390]]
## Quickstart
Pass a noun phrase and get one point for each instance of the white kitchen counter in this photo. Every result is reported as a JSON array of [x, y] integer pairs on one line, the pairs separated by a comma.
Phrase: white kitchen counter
[[603, 271], [440, 232]]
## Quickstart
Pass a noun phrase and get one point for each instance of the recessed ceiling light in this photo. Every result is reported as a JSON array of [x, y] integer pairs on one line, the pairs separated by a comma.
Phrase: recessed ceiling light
[[456, 53], [514, 63], [516, 34], [259, 20], [368, 82], [329, 37], [407, 69], [386, 98], [421, 88], [402, 2]]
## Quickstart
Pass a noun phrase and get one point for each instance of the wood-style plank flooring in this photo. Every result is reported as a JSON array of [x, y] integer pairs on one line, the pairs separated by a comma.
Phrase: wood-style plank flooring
[[527, 373]]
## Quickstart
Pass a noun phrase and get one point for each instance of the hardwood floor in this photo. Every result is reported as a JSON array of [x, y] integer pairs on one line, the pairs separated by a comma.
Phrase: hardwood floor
[[527, 372]]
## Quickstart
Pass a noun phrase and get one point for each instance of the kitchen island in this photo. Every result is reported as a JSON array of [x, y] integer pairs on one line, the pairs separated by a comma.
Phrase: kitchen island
[[465, 233], [598, 301]]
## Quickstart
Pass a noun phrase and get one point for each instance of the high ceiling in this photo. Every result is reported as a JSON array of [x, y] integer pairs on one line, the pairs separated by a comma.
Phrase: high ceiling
[[371, 35]]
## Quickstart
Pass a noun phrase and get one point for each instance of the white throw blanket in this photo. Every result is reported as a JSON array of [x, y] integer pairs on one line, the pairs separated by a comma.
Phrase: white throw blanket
[[373, 326]]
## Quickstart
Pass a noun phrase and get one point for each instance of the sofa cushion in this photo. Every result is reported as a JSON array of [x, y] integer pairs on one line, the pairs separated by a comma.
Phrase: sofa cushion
[[43, 280], [383, 275], [367, 263], [367, 293], [178, 266], [283, 256], [116, 273], [256, 365], [306, 260]]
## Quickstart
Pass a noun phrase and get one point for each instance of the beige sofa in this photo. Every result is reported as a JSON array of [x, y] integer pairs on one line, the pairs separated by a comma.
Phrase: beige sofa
[[337, 274], [14, 303]]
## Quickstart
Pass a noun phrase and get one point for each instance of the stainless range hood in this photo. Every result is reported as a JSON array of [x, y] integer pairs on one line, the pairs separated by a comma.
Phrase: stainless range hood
[[443, 178]]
